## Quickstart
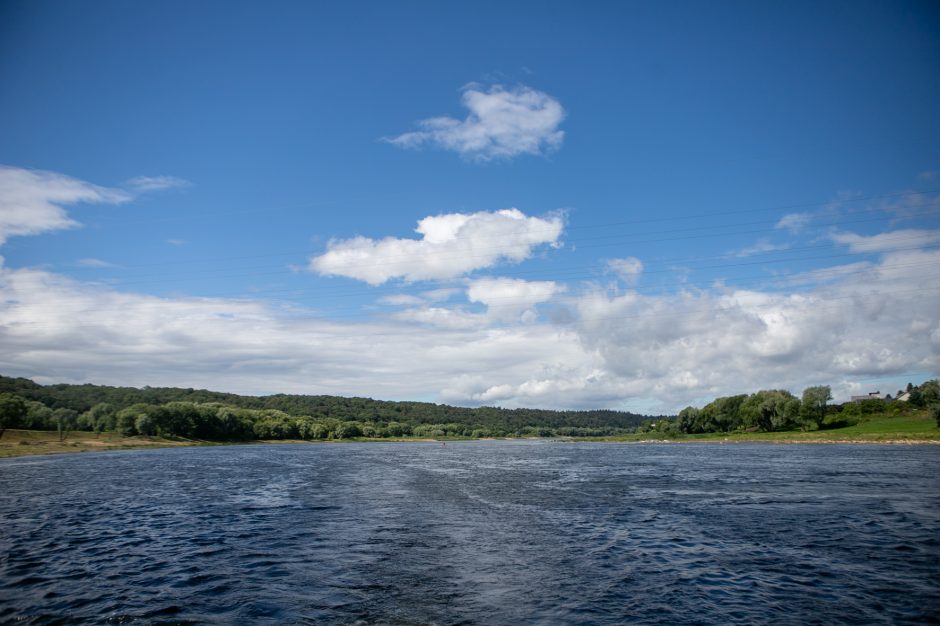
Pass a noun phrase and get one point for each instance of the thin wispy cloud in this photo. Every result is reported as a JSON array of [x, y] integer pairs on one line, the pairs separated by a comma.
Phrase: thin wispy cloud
[[94, 263], [628, 269], [886, 242], [501, 124], [763, 246], [451, 246], [794, 222], [156, 183], [35, 201]]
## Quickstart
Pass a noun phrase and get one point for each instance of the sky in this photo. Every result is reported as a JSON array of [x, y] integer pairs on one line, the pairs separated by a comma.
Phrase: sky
[[632, 205]]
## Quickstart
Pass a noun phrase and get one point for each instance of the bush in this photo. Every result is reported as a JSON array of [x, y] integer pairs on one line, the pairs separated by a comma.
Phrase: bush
[[934, 411]]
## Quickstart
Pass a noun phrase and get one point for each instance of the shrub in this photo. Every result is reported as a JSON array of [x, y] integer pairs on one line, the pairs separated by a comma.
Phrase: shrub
[[934, 412]]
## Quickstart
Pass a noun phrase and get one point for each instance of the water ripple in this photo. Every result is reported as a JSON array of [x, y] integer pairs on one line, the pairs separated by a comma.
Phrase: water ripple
[[475, 533]]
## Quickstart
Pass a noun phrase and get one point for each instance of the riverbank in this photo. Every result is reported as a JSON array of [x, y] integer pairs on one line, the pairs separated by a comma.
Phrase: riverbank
[[882, 429], [29, 442], [16, 442], [909, 428]]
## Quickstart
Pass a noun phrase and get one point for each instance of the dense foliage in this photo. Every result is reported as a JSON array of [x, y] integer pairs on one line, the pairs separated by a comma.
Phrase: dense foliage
[[779, 410], [201, 414], [205, 414]]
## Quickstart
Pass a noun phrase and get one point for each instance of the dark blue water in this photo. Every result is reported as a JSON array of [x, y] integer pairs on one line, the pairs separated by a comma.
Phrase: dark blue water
[[474, 533]]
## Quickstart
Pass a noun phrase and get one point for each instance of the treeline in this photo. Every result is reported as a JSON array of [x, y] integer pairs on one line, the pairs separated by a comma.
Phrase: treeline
[[205, 414], [201, 414], [779, 410]]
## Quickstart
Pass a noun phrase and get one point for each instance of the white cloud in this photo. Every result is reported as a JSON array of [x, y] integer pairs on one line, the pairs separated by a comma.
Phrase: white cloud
[[628, 269], [33, 201], [440, 295], [156, 183], [502, 123], [511, 299], [56, 329], [451, 245], [862, 320], [886, 242], [763, 246], [794, 222], [829, 274], [660, 352], [401, 299], [442, 317], [94, 263]]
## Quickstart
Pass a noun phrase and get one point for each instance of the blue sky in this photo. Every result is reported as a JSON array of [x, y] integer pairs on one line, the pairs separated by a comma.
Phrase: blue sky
[[626, 205]]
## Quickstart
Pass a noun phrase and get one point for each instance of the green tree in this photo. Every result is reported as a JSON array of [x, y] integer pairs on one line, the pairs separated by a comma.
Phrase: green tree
[[100, 417], [145, 425], [771, 410], [688, 420], [813, 407], [930, 391], [13, 411], [347, 430], [125, 420], [38, 416], [66, 420]]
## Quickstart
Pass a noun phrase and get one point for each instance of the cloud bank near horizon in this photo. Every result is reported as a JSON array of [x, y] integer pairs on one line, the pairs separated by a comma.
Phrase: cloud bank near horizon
[[480, 340], [665, 351]]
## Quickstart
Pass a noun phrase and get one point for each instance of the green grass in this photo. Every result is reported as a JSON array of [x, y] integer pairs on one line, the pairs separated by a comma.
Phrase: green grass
[[915, 426]]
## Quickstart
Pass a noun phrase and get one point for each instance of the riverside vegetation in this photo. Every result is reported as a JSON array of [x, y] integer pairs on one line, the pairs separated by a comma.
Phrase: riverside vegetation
[[61, 418]]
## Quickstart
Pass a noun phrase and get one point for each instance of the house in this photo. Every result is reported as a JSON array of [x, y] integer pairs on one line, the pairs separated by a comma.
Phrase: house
[[872, 395]]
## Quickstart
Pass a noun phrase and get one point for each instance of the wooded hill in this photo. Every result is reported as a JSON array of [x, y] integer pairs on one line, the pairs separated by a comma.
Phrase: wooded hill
[[82, 398]]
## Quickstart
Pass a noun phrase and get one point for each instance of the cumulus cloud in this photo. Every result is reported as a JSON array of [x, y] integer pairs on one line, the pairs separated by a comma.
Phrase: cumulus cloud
[[655, 352], [627, 269], [869, 320], [34, 201], [451, 245], [501, 124], [511, 299], [56, 329], [874, 317]]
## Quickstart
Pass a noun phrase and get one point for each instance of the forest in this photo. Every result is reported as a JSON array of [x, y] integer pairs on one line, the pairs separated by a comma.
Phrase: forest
[[201, 414], [214, 416]]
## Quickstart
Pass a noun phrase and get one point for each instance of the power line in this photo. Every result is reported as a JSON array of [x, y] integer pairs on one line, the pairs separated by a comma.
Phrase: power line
[[587, 226]]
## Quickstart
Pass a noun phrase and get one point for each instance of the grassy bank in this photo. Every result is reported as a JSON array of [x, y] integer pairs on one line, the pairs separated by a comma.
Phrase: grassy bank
[[26, 442], [915, 427]]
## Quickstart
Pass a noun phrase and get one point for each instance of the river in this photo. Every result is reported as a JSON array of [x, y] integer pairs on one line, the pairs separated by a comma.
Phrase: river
[[491, 532]]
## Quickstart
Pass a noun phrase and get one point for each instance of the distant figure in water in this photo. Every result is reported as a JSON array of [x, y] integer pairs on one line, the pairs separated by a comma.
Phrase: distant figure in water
[[443, 443]]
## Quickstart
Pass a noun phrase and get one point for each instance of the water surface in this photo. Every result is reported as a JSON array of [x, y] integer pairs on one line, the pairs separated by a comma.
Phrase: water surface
[[474, 533]]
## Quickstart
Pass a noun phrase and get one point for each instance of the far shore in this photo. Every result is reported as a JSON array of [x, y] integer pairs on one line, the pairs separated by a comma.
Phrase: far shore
[[18, 443]]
